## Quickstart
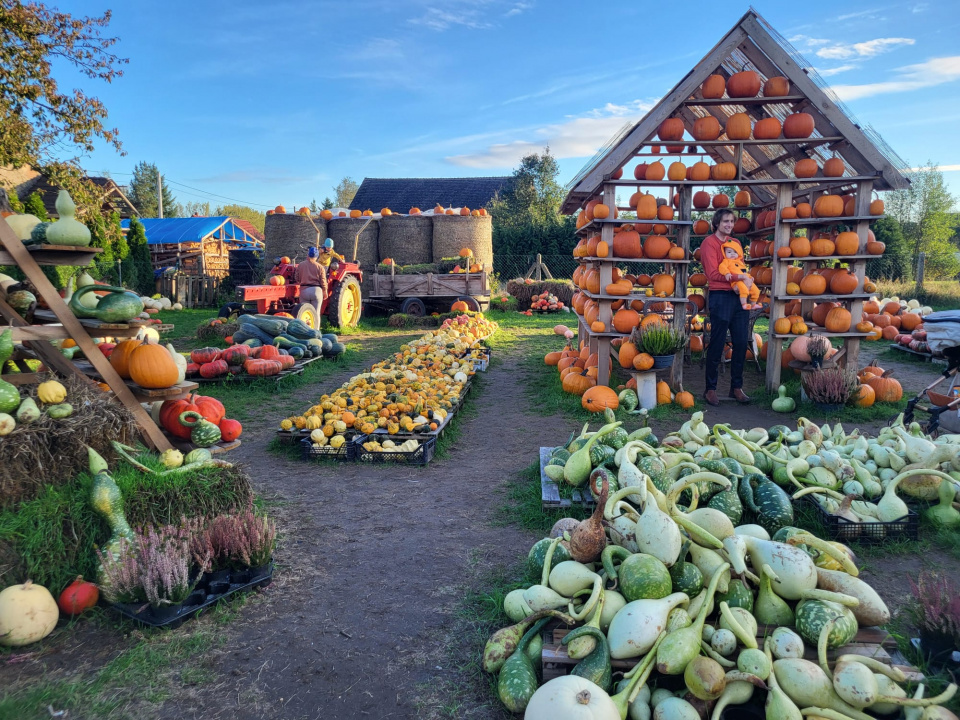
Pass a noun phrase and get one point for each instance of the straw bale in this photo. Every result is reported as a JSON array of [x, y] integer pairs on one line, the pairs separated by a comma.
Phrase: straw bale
[[452, 233], [287, 234], [524, 291], [406, 239], [344, 230], [53, 452]]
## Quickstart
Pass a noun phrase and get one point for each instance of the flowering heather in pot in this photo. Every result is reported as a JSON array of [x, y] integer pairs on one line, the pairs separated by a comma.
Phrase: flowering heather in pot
[[242, 541], [832, 386], [935, 609]]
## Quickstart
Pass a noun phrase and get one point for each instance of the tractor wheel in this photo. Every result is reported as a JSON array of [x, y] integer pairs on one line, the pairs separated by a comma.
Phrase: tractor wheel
[[473, 305], [343, 308], [307, 314], [413, 306]]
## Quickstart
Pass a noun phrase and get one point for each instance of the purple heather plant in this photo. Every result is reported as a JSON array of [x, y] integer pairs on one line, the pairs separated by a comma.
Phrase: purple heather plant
[[241, 541], [935, 609]]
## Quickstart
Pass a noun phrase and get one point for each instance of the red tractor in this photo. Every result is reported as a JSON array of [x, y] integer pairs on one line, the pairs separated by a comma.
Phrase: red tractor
[[281, 294]]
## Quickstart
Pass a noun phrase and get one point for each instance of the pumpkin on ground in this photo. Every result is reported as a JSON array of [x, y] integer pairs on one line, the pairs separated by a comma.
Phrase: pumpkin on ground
[[684, 399], [28, 613], [599, 398], [78, 596], [664, 396]]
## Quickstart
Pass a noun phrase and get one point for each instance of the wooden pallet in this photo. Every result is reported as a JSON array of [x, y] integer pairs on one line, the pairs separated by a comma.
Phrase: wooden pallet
[[870, 642], [163, 327], [550, 491], [245, 378], [186, 446], [925, 355]]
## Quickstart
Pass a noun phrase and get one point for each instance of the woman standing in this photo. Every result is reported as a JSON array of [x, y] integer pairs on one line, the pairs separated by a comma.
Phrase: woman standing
[[726, 312]]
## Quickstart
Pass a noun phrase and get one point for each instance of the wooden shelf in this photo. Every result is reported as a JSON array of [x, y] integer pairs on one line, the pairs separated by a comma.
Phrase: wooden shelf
[[633, 296], [852, 296], [717, 183], [831, 221], [811, 258], [665, 261], [704, 102], [815, 329], [45, 316], [55, 255], [593, 225], [186, 446], [721, 143], [141, 393], [609, 333]]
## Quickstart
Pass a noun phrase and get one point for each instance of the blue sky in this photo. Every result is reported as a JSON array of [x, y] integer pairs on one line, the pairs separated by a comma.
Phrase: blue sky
[[274, 103]]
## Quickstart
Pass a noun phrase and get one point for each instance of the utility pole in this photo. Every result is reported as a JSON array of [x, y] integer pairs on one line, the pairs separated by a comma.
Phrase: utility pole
[[159, 194]]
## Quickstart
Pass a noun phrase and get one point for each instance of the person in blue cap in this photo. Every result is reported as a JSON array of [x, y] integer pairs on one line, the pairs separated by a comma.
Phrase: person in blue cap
[[311, 276], [328, 254]]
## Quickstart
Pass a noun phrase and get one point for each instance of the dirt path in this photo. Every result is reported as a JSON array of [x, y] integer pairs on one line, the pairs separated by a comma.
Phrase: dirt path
[[372, 565]]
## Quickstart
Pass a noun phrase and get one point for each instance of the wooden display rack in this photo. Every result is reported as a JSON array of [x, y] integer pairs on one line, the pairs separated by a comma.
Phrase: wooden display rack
[[36, 338], [765, 167]]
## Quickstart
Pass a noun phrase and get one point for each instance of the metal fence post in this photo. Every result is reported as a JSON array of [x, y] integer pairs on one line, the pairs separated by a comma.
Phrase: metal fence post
[[921, 258]]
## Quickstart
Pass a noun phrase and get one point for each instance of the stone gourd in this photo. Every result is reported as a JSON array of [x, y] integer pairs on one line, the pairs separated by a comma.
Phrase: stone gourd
[[67, 230], [118, 305]]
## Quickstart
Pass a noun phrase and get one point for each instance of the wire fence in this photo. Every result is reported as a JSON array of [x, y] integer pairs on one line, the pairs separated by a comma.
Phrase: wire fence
[[508, 267]]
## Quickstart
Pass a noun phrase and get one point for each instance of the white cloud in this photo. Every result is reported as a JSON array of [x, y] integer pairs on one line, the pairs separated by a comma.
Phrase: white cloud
[[919, 7], [835, 71], [518, 9], [578, 137], [941, 168], [808, 41], [862, 13], [867, 49], [936, 71]]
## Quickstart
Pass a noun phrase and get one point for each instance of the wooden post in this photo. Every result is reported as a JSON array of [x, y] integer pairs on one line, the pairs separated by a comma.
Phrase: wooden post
[[921, 261], [684, 212], [778, 288]]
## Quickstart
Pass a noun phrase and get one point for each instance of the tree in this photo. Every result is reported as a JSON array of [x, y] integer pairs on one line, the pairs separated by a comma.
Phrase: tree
[[201, 209], [896, 261], [526, 215], [923, 211], [327, 204], [242, 212], [137, 269], [345, 191], [34, 206], [143, 192], [38, 119], [313, 206]]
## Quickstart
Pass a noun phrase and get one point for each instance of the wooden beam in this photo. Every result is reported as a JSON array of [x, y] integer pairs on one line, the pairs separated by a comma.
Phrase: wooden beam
[[854, 135], [778, 288], [644, 129]]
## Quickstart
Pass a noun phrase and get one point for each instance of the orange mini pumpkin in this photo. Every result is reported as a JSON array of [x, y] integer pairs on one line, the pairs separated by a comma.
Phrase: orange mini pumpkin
[[642, 362]]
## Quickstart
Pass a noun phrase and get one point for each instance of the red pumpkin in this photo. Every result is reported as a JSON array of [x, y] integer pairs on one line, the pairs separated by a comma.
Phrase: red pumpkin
[[214, 369], [193, 369], [106, 348], [269, 352], [170, 415], [78, 596], [235, 355], [204, 355], [230, 429], [211, 408]]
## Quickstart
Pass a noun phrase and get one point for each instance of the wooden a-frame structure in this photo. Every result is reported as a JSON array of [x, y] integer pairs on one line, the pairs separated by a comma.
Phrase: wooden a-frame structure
[[764, 167]]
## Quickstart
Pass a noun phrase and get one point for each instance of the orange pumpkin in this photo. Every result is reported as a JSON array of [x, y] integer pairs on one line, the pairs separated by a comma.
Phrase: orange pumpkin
[[776, 87], [628, 351], [684, 399], [699, 171], [663, 284], [834, 167], [642, 362], [813, 285], [656, 171], [721, 201], [677, 171], [552, 359], [741, 199], [713, 87], [800, 246], [876, 207], [599, 398], [828, 206], [865, 397], [702, 227], [706, 128], [804, 210], [843, 282], [886, 388], [738, 126], [847, 243], [822, 247], [656, 247], [120, 356], [671, 129], [767, 129], [578, 383], [627, 245], [152, 366], [805, 168], [744, 84], [798, 125], [723, 171], [838, 320], [664, 212]]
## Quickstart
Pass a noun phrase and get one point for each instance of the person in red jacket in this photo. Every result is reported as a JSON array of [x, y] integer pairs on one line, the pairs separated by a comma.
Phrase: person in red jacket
[[726, 312]]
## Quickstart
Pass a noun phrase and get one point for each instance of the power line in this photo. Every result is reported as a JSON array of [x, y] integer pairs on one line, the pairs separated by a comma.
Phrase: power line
[[205, 192]]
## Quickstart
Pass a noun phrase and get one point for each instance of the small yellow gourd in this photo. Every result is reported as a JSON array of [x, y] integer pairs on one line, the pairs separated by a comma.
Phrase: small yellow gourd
[[664, 396], [171, 458], [51, 392], [799, 328]]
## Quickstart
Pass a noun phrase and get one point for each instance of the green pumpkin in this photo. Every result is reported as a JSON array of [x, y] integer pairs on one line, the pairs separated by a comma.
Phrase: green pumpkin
[[6, 346], [9, 397], [197, 456], [21, 300], [119, 305], [28, 411], [58, 412], [67, 230]]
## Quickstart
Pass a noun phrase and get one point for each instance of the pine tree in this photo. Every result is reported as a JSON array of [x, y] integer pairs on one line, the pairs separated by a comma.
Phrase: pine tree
[[327, 204], [137, 269], [34, 206], [143, 192], [313, 206]]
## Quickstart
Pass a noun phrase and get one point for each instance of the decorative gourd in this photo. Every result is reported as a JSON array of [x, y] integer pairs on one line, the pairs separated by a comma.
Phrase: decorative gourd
[[684, 399], [838, 320], [28, 613], [713, 87], [706, 128], [21, 301], [171, 458], [60, 411], [117, 306], [664, 396], [798, 125], [203, 433], [151, 366], [107, 500], [793, 288], [51, 392], [782, 403], [599, 398], [738, 126], [67, 230], [799, 328], [744, 84]]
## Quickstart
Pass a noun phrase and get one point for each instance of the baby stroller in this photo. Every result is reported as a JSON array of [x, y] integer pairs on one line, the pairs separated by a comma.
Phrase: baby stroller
[[943, 337]]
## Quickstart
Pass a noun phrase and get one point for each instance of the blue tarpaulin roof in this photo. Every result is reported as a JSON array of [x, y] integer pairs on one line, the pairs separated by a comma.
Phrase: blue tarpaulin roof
[[172, 231]]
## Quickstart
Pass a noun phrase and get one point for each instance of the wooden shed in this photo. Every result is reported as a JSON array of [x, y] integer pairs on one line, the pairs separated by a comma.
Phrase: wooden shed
[[766, 167]]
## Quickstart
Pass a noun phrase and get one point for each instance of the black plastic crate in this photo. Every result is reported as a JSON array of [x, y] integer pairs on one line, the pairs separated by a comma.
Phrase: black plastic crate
[[345, 453], [291, 437], [421, 456], [871, 533]]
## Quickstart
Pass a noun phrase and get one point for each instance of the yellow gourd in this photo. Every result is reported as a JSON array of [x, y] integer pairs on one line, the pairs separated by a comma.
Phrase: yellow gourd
[[51, 392], [28, 613]]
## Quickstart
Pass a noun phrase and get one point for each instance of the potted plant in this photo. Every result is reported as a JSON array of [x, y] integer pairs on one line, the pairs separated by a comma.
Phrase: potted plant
[[935, 612], [659, 340], [831, 388], [244, 543]]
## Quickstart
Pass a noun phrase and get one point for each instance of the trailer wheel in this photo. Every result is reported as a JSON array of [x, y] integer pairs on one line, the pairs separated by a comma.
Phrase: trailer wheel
[[343, 308], [473, 305], [307, 314], [413, 306]]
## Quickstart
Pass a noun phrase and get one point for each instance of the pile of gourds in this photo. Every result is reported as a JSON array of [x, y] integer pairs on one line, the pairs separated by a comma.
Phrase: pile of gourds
[[412, 391], [695, 527], [16, 411]]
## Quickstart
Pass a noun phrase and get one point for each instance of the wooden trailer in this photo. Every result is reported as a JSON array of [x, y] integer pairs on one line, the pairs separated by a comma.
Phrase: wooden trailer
[[428, 292]]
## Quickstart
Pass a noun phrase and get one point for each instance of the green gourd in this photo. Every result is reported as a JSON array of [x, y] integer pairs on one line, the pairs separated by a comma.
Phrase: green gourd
[[9, 397], [728, 502], [737, 595], [67, 230], [782, 403], [595, 667], [686, 576], [943, 513], [203, 433], [6, 346], [769, 608], [28, 411], [199, 455], [517, 681], [107, 500], [578, 467], [60, 411], [119, 305]]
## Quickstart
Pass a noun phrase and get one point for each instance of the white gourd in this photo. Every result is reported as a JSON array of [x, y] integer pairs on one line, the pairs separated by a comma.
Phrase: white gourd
[[571, 697], [28, 613]]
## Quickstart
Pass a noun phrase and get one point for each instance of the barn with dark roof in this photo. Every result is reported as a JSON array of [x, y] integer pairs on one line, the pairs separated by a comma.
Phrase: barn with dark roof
[[401, 194]]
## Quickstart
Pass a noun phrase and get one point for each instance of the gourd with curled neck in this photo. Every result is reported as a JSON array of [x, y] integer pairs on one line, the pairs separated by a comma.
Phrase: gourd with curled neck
[[67, 230]]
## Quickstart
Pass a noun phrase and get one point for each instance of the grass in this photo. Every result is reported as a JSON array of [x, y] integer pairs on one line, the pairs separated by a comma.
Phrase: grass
[[938, 294], [152, 668]]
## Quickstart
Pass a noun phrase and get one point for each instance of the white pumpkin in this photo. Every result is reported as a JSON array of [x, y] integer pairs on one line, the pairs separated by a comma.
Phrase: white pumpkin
[[28, 613], [148, 334], [165, 303], [22, 225], [7, 424], [177, 306], [570, 697], [460, 377], [180, 361]]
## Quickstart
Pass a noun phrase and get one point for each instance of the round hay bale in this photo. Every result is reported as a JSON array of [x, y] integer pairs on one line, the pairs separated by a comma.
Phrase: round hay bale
[[343, 232], [452, 233], [406, 239], [285, 234]]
